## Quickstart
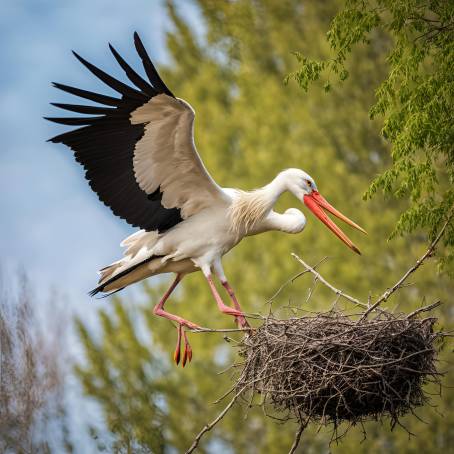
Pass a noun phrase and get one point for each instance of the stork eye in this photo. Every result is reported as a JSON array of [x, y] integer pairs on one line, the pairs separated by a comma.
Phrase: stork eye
[[309, 183]]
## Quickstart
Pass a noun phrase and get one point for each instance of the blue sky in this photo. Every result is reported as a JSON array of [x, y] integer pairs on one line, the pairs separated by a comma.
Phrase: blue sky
[[51, 223]]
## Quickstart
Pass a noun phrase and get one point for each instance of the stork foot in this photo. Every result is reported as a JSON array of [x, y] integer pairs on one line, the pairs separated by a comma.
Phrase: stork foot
[[242, 322], [240, 318], [187, 353], [180, 320], [229, 310]]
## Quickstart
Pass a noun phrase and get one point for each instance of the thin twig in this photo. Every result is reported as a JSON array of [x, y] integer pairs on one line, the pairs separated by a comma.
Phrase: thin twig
[[319, 277], [289, 281], [293, 279], [210, 425], [202, 329], [425, 309]]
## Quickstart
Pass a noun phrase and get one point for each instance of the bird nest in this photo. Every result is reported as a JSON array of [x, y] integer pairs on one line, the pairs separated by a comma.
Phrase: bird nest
[[331, 367]]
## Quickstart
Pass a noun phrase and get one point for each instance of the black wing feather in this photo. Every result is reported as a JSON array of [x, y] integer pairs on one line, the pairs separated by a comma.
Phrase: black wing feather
[[91, 110], [149, 67], [96, 97], [132, 75], [75, 121], [105, 143], [111, 81]]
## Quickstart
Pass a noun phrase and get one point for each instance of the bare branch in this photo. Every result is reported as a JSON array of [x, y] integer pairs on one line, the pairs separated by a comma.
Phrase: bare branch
[[319, 277], [210, 425], [296, 440], [293, 279], [219, 330], [425, 309]]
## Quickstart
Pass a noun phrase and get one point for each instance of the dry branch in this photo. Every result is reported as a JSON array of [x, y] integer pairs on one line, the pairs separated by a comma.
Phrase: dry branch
[[320, 278], [297, 439], [210, 425]]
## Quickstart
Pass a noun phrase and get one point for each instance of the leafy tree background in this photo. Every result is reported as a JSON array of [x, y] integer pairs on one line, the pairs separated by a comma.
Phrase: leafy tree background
[[414, 98], [249, 126]]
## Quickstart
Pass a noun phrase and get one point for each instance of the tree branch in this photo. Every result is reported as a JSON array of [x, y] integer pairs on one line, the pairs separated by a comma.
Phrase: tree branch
[[210, 425], [319, 277], [296, 440], [428, 308]]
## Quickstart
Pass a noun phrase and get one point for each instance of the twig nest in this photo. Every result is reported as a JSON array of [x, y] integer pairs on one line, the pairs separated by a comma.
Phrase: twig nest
[[332, 367]]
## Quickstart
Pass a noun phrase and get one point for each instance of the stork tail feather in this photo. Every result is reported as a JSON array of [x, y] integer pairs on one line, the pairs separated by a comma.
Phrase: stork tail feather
[[111, 277]]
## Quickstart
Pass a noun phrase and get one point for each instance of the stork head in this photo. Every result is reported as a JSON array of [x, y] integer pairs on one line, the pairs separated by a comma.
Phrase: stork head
[[304, 188]]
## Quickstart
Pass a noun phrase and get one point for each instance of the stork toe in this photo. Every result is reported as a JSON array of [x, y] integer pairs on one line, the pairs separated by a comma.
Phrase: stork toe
[[187, 352], [177, 352]]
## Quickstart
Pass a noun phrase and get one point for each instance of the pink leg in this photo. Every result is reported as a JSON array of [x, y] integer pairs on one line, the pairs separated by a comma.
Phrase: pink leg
[[241, 320], [159, 310], [222, 307]]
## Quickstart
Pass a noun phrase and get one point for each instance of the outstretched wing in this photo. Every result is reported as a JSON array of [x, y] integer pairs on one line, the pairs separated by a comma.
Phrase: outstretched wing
[[138, 150]]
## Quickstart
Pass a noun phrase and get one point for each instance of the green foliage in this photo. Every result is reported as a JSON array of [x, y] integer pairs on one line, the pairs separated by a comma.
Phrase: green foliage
[[415, 100], [249, 126]]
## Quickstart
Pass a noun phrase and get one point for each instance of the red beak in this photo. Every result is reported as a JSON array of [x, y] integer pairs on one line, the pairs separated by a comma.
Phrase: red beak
[[317, 203]]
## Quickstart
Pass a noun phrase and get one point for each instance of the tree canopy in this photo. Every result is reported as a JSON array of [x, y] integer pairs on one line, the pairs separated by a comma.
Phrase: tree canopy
[[415, 100]]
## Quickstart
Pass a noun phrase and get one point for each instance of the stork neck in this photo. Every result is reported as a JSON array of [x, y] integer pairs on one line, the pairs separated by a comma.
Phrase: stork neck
[[249, 208], [292, 221], [275, 189]]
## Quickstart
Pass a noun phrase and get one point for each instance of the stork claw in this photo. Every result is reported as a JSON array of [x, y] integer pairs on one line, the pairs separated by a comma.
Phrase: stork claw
[[187, 352], [176, 354]]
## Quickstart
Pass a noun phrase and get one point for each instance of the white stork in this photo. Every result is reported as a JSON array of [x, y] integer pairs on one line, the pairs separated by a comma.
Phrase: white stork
[[139, 156]]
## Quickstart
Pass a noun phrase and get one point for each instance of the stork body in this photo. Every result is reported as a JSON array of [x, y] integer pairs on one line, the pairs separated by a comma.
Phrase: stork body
[[200, 242], [140, 158]]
